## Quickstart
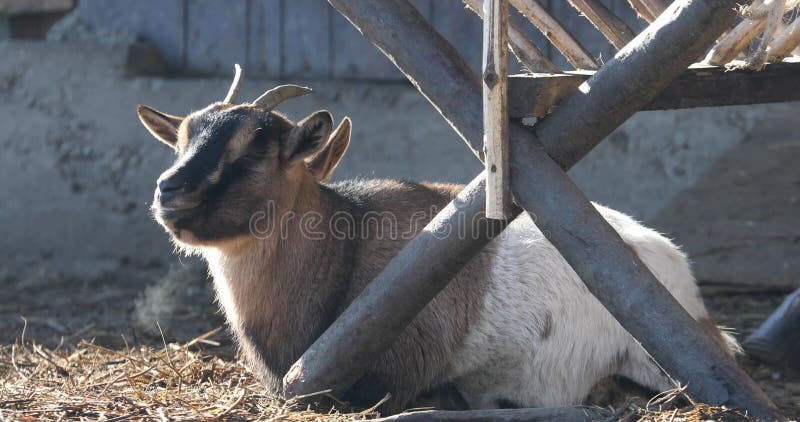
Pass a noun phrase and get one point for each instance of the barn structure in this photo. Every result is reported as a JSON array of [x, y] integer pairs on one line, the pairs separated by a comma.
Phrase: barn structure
[[525, 166]]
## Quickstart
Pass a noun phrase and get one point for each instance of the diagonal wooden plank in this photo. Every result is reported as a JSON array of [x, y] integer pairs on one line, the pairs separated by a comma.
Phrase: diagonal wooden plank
[[575, 54], [527, 52], [613, 28]]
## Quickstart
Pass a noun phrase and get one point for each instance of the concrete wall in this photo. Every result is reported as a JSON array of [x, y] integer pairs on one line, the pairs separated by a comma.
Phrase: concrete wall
[[77, 170]]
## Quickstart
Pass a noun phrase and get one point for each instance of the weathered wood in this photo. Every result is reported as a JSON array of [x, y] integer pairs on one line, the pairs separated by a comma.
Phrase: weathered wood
[[699, 86], [525, 51], [575, 54], [306, 39], [635, 76], [777, 340], [583, 30], [495, 108], [537, 95], [610, 269], [649, 10], [213, 52], [760, 17], [24, 7], [735, 41], [544, 414], [613, 28], [656, 7], [264, 38], [641, 10], [785, 42]]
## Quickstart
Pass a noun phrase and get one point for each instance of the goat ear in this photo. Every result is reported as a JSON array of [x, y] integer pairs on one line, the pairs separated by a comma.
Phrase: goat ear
[[161, 125], [324, 162], [307, 137]]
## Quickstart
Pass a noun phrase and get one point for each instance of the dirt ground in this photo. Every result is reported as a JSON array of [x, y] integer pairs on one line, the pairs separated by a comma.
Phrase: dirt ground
[[106, 314]]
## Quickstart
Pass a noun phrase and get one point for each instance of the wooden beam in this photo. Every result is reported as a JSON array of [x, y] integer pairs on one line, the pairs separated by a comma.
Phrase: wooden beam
[[613, 28], [785, 42], [543, 414], [777, 340], [641, 10], [649, 10], [526, 51], [495, 108], [656, 7], [608, 267], [699, 86], [575, 54], [635, 76]]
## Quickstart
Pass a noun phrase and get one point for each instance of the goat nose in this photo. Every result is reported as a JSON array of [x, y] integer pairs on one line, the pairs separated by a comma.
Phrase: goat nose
[[169, 189], [169, 185]]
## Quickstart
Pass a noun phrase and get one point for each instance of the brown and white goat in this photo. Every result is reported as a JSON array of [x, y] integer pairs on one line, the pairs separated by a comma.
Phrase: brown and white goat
[[515, 326]]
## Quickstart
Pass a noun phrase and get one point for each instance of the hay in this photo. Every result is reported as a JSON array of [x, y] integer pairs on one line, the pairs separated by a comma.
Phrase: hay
[[187, 381], [176, 382], [666, 407]]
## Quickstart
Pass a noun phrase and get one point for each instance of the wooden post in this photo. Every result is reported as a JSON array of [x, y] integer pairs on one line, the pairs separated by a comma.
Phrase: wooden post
[[575, 54], [526, 52], [495, 108], [610, 269], [613, 28]]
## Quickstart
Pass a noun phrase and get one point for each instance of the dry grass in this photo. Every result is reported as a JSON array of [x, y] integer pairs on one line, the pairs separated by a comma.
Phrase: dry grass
[[176, 382], [666, 408], [183, 382]]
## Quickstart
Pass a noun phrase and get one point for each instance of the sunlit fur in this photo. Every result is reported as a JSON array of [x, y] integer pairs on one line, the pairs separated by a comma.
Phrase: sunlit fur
[[515, 326]]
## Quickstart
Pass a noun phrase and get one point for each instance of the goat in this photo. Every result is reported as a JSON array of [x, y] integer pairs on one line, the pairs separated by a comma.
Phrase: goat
[[515, 327]]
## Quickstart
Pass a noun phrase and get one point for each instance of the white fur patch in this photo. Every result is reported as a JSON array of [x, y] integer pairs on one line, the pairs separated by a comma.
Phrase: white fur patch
[[543, 339]]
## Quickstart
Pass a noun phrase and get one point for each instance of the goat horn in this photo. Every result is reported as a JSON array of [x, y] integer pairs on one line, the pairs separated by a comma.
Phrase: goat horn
[[233, 91], [270, 99]]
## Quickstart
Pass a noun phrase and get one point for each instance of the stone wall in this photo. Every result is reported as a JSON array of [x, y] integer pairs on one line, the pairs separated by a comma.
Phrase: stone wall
[[77, 170]]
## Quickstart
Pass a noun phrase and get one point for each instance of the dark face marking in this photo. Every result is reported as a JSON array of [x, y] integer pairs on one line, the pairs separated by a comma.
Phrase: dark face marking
[[224, 158]]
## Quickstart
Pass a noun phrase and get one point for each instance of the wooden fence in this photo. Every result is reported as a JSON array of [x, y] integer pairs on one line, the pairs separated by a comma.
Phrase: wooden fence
[[308, 39]]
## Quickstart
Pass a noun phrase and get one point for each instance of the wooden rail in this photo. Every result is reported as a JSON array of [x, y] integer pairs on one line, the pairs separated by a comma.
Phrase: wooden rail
[[699, 86]]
